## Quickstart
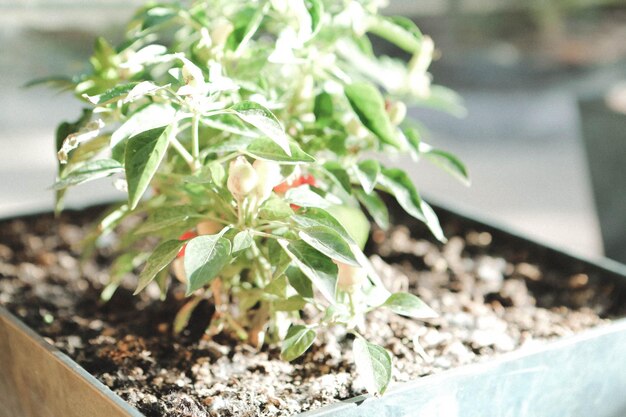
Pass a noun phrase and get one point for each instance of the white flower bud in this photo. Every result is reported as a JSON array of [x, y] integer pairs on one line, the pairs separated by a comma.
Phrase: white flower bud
[[396, 112], [209, 227], [242, 178], [349, 277], [269, 176]]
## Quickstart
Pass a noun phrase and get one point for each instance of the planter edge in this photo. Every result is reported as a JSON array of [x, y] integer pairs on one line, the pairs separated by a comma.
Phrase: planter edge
[[25, 381]]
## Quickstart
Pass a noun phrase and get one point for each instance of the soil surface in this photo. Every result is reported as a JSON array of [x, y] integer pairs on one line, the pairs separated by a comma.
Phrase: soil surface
[[494, 294]]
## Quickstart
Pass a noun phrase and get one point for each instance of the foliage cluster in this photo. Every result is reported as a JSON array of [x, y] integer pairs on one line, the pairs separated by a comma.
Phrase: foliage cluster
[[247, 134]]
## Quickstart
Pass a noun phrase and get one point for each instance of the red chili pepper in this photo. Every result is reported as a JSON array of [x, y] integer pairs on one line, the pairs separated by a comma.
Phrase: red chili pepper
[[308, 179], [282, 187], [301, 180], [185, 236]]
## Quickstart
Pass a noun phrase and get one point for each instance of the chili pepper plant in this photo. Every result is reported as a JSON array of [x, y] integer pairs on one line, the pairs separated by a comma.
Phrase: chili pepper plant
[[246, 135]]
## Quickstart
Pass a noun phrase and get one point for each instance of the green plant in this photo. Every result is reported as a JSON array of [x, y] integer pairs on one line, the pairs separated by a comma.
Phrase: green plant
[[246, 148]]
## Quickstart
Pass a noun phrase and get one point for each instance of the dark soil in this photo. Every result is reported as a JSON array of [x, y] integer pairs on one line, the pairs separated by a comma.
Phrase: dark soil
[[494, 294]]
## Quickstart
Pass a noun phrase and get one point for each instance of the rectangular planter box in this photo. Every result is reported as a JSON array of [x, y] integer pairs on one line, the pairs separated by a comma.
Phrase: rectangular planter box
[[583, 375]]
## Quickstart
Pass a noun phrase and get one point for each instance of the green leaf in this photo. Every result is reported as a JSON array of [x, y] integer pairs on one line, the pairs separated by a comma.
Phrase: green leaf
[[317, 267], [163, 217], [348, 221], [113, 218], [66, 128], [248, 298], [184, 314], [401, 186], [277, 287], [335, 218], [264, 120], [232, 124], [214, 173], [150, 117], [303, 196], [88, 171], [375, 207], [373, 363], [323, 108], [205, 256], [89, 150], [275, 209], [329, 242], [312, 217], [316, 11], [163, 281], [278, 257], [445, 161], [414, 139], [155, 15], [144, 88], [432, 222], [122, 265], [56, 82], [142, 158], [338, 313], [112, 95], [268, 149], [236, 144], [369, 106], [103, 55], [162, 256], [242, 241], [444, 99], [218, 173], [299, 282], [338, 175], [298, 339], [407, 304], [254, 22], [367, 172], [406, 24], [293, 303], [353, 221], [398, 30]]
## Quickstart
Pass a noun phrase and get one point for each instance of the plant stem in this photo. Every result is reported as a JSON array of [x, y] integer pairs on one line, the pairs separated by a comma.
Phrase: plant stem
[[262, 263], [262, 234], [183, 152], [351, 300], [195, 121], [226, 158], [393, 33], [240, 212]]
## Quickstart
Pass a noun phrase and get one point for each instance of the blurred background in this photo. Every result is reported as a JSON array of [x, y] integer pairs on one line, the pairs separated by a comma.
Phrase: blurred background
[[543, 81]]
